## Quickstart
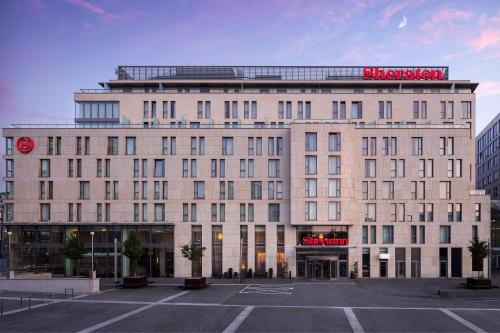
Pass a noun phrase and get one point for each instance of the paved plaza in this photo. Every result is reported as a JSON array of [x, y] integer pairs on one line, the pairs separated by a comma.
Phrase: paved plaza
[[282, 306]]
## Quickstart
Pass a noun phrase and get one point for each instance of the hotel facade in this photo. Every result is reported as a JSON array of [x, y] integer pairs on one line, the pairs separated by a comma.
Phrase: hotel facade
[[322, 170]]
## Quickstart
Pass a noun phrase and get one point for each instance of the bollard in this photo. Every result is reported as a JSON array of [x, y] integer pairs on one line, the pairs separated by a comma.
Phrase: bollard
[[29, 303], [52, 297]]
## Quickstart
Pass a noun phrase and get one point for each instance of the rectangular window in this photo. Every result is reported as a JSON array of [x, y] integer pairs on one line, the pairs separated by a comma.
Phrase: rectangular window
[[246, 110], [445, 234], [173, 145], [310, 165], [466, 110], [44, 212], [256, 190], [310, 187], [387, 234], [9, 146], [477, 212], [334, 211], [159, 212], [159, 168], [84, 190], [421, 235], [193, 168], [357, 110], [334, 165], [274, 168], [274, 212], [199, 190], [44, 168], [131, 146], [370, 168], [413, 234], [334, 188], [227, 146], [311, 142], [416, 146], [444, 190], [185, 208], [311, 210], [112, 145], [185, 167], [334, 142]]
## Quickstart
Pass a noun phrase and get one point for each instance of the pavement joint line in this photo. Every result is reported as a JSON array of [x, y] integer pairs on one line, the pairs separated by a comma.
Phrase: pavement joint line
[[353, 321], [463, 321], [130, 313], [236, 323]]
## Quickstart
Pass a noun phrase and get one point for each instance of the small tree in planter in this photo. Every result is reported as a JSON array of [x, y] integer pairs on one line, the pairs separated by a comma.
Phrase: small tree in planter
[[132, 249], [74, 250], [192, 253], [478, 250]]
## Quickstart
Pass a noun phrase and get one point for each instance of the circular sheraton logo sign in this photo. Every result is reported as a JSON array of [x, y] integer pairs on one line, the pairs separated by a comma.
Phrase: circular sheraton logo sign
[[25, 144]]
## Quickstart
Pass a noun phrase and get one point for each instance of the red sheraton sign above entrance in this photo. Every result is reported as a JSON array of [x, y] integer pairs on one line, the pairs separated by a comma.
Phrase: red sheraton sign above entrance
[[375, 73], [324, 241]]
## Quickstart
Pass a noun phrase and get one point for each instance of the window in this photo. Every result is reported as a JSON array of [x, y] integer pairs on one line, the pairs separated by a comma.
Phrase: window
[[430, 212], [173, 145], [273, 168], [199, 190], [334, 211], [193, 145], [334, 165], [373, 234], [274, 212], [112, 145], [131, 147], [458, 212], [243, 165], [370, 168], [144, 190], [246, 110], [370, 212], [421, 235], [310, 187], [194, 211], [357, 110], [144, 168], [159, 168], [9, 190], [477, 212], [369, 190], [222, 168], [444, 190], [334, 143], [193, 168], [159, 212], [258, 146], [256, 190], [9, 146], [145, 109], [388, 188], [44, 168], [222, 212], [387, 234], [334, 188], [445, 234], [310, 165], [227, 146], [164, 143], [413, 234], [213, 168], [416, 146], [44, 212], [466, 110], [144, 212], [311, 211], [84, 190], [185, 208], [311, 142], [446, 145], [364, 234], [9, 168], [165, 109], [185, 167]]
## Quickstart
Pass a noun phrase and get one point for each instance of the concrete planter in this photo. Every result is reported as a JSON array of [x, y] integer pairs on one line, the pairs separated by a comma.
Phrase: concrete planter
[[58, 286], [473, 283], [135, 282], [195, 283]]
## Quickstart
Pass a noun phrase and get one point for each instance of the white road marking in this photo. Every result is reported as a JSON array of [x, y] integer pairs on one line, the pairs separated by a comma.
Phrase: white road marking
[[463, 321], [57, 300], [236, 323], [353, 321], [269, 289], [130, 313]]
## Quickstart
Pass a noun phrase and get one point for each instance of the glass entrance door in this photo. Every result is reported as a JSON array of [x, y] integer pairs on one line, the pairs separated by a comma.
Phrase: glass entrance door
[[334, 269], [322, 269], [383, 268]]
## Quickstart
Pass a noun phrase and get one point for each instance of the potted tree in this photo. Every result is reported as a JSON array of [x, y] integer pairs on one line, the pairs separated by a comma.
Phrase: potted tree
[[74, 250], [193, 253], [132, 249], [478, 250]]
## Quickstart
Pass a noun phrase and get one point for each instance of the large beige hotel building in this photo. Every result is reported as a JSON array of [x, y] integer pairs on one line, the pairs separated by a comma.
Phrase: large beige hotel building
[[330, 170]]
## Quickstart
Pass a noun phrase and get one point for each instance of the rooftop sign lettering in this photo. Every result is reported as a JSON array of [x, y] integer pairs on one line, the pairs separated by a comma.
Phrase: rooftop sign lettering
[[375, 73]]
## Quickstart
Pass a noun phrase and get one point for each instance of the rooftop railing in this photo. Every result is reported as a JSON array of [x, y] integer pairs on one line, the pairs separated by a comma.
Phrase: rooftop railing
[[287, 73]]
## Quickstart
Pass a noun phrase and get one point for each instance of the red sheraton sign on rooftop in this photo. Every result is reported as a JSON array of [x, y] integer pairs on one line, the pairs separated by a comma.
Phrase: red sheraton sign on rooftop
[[375, 73]]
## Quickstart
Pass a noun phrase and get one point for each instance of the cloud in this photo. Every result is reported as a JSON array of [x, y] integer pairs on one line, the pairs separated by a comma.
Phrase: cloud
[[92, 8], [36, 6], [488, 88], [390, 11], [440, 22]]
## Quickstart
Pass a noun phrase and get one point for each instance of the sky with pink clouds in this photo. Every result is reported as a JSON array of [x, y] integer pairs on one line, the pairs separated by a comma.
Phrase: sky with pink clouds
[[51, 48]]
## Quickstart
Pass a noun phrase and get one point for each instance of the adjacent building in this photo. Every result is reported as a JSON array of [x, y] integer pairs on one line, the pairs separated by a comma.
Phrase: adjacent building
[[323, 170], [488, 159]]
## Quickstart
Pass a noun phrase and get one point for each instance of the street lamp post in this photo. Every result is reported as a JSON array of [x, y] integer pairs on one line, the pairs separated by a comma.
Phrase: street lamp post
[[116, 260], [92, 244]]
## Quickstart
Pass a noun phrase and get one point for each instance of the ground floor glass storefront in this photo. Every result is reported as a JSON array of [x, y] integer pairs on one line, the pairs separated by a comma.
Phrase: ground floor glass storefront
[[322, 252], [38, 248]]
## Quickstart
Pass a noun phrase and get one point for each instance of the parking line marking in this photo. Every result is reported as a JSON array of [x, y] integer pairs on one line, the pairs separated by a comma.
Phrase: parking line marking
[[353, 321], [463, 321], [130, 313], [236, 323]]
